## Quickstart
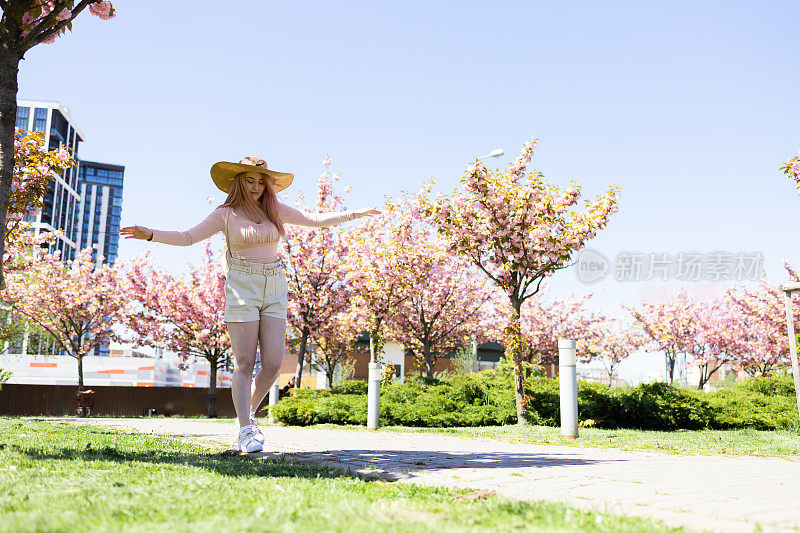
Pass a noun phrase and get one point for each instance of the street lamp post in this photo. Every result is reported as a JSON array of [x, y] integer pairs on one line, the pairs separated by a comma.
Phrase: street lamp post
[[788, 289]]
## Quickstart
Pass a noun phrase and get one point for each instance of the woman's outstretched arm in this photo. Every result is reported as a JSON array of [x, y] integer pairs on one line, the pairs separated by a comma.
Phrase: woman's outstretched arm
[[290, 215], [212, 224]]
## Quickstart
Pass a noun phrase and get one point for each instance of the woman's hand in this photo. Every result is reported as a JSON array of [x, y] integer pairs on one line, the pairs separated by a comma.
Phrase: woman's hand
[[136, 232], [368, 212]]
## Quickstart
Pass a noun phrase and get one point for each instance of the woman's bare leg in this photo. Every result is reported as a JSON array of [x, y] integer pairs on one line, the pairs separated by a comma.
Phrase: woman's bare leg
[[244, 341], [272, 339]]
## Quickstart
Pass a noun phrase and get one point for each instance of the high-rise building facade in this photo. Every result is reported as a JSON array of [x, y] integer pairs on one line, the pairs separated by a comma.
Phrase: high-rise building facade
[[84, 202], [99, 208], [61, 199]]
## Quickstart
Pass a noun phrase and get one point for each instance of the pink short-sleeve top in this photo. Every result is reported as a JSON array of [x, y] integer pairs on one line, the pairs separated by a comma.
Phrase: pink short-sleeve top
[[248, 240]]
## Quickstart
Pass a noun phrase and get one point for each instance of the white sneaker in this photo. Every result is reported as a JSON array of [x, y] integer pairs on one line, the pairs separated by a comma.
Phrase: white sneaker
[[258, 435], [248, 442]]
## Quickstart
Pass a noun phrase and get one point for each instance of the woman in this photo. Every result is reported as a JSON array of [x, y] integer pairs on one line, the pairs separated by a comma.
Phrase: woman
[[255, 290]]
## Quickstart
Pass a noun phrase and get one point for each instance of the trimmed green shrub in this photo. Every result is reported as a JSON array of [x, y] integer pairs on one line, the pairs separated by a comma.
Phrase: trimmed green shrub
[[741, 406], [487, 398], [351, 387], [543, 401], [463, 400], [781, 384], [662, 406]]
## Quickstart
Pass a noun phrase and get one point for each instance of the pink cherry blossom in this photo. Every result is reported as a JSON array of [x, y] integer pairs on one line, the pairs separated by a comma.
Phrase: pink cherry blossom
[[316, 272], [518, 229], [183, 314], [792, 169], [440, 297], [102, 9], [77, 303]]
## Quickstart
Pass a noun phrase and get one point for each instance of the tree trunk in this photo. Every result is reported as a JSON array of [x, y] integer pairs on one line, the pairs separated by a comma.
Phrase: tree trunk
[[80, 374], [301, 357], [426, 354], [516, 353], [706, 373], [9, 71], [703, 376], [212, 388], [329, 372], [670, 360]]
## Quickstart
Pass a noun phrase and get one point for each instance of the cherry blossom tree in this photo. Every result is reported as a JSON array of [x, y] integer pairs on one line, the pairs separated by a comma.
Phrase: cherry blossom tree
[[24, 24], [34, 169], [792, 169], [762, 325], [670, 326], [612, 342], [378, 261], [335, 341], [722, 337], [185, 314], [76, 302], [444, 295], [443, 310], [316, 270], [544, 320], [518, 229]]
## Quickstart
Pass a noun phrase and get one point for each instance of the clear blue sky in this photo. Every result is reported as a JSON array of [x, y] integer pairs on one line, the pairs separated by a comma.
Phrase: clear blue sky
[[690, 107]]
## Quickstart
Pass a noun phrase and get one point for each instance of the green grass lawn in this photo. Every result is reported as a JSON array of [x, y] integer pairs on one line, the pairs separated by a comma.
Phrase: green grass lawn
[[779, 443], [55, 476]]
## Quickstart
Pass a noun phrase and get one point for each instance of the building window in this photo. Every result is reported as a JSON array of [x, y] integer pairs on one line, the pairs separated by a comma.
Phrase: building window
[[22, 117], [59, 125], [40, 119]]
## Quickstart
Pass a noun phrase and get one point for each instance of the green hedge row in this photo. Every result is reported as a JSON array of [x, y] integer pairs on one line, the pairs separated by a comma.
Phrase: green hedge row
[[487, 399]]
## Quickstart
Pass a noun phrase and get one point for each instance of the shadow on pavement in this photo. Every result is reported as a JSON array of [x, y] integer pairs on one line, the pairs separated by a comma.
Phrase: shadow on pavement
[[404, 464]]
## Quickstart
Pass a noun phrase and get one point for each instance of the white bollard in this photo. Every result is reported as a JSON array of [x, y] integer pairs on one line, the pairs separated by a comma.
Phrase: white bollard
[[374, 395], [568, 388], [273, 400]]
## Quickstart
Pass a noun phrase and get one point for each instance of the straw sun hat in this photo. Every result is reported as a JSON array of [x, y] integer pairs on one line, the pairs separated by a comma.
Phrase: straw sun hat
[[223, 173]]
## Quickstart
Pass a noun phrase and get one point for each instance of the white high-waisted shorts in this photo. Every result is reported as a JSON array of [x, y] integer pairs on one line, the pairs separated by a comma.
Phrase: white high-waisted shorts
[[253, 290]]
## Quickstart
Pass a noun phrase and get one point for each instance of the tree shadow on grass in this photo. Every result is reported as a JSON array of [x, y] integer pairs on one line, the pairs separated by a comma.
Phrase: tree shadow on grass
[[228, 463], [368, 464], [389, 465]]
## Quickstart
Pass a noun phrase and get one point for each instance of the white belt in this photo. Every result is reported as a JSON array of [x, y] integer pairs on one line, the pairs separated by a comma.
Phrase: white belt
[[265, 270]]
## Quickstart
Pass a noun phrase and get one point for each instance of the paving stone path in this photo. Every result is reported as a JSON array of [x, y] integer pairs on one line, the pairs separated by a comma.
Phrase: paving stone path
[[699, 492]]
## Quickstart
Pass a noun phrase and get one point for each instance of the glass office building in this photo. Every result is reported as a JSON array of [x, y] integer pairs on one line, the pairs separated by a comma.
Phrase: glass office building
[[99, 208], [60, 201], [84, 202]]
